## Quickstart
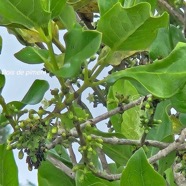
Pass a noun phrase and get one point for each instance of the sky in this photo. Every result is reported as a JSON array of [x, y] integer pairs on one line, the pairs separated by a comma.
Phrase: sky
[[19, 77]]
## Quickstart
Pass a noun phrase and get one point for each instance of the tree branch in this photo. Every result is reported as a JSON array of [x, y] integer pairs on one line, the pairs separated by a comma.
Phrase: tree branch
[[173, 146], [119, 141], [108, 114], [57, 163], [171, 10]]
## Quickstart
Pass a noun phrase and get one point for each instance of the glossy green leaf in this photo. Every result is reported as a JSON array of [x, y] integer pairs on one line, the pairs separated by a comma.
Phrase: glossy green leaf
[[24, 13], [139, 172], [36, 92], [90, 179], [8, 168], [80, 45], [165, 42], [49, 175], [163, 78], [68, 17], [131, 28], [105, 5], [32, 55]]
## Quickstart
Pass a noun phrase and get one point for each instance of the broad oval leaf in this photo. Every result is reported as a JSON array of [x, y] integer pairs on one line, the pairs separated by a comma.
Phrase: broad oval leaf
[[8, 167], [24, 13], [32, 55], [49, 175], [80, 45], [163, 78], [131, 28], [36, 92], [139, 172]]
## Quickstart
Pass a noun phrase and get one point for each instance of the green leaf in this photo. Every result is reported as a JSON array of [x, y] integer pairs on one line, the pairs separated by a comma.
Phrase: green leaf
[[182, 118], [128, 122], [131, 28], [163, 78], [49, 175], [24, 13], [8, 168], [161, 47], [165, 128], [56, 7], [2, 82], [120, 153], [105, 5], [170, 177], [32, 55], [68, 17], [36, 92], [167, 161], [130, 126], [89, 179], [139, 172], [165, 42], [129, 3], [178, 101], [80, 45]]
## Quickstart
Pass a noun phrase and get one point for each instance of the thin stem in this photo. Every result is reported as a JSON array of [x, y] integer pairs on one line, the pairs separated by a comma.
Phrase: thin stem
[[59, 45]]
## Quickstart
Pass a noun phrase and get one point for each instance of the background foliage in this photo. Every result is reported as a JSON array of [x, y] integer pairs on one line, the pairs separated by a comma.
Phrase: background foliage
[[132, 55]]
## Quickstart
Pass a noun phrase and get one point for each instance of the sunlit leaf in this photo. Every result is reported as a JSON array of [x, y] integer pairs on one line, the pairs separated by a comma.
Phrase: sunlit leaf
[[130, 29], [163, 78], [25, 13]]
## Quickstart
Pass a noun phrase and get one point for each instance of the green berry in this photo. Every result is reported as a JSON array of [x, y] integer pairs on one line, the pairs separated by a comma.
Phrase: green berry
[[20, 154], [9, 147], [90, 149], [54, 130], [147, 106], [89, 138]]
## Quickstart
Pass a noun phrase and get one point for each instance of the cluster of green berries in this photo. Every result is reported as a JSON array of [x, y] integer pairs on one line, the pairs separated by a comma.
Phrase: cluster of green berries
[[90, 148], [181, 158], [147, 118], [29, 137]]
